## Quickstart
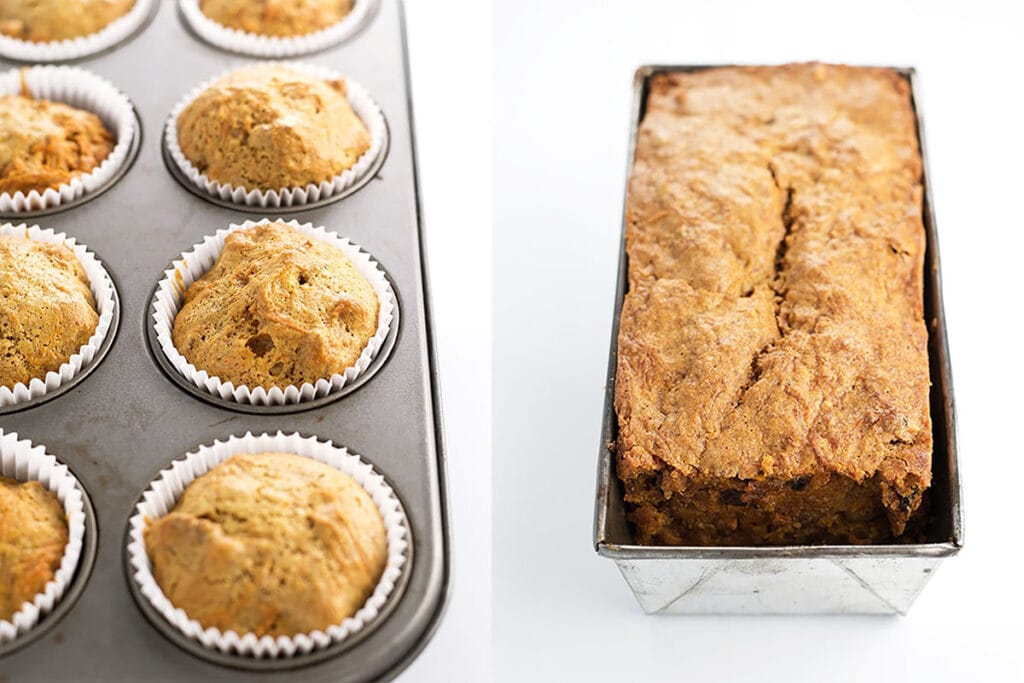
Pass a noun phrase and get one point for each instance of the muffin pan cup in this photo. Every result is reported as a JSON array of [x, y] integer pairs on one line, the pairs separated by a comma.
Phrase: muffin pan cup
[[128, 419], [23, 461], [84, 90], [120, 30], [273, 47], [170, 295], [837, 579], [163, 495], [286, 198]]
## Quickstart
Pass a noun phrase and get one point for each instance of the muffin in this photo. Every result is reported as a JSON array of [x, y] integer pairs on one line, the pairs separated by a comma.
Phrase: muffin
[[271, 127], [47, 312], [281, 18], [277, 308], [33, 535], [273, 544], [44, 21], [45, 144]]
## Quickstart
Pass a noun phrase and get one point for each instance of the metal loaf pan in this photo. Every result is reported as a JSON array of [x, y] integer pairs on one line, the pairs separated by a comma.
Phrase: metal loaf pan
[[878, 579], [127, 419]]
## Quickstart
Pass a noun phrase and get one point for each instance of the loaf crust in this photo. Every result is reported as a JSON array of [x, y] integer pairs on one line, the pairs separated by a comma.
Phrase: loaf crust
[[772, 383], [277, 308], [272, 544], [33, 536], [44, 21], [271, 127], [281, 18], [47, 311], [45, 144]]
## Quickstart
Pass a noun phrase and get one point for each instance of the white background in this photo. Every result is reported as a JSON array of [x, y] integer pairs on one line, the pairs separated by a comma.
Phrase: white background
[[562, 102], [451, 77]]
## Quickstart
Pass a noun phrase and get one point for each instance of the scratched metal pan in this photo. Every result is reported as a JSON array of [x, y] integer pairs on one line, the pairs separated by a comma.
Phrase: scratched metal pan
[[128, 417], [837, 579]]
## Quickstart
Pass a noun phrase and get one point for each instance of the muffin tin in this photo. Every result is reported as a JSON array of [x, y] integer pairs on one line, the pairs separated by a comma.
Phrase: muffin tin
[[872, 579], [126, 418]]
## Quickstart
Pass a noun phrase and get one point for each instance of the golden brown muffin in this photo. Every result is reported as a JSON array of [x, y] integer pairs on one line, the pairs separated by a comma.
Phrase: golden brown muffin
[[33, 535], [276, 17], [45, 144], [46, 309], [272, 544], [277, 308], [772, 383], [270, 127], [44, 21]]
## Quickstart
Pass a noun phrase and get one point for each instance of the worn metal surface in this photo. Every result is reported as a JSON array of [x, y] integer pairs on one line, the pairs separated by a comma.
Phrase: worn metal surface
[[127, 420], [881, 579]]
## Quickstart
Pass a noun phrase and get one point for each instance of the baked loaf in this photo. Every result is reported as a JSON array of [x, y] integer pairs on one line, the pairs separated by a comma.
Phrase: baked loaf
[[46, 309], [272, 544], [772, 383], [277, 308], [33, 535], [44, 21], [45, 144], [270, 127], [281, 18]]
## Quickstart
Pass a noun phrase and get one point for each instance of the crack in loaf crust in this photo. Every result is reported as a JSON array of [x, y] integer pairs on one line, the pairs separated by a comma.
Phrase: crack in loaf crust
[[772, 383]]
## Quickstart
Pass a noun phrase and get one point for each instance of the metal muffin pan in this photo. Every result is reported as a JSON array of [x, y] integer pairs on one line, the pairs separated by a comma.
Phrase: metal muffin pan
[[872, 579], [128, 419]]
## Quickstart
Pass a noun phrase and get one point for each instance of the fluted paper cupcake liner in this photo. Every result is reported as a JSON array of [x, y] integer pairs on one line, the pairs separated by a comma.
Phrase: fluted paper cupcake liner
[[83, 90], [362, 104], [22, 461], [75, 48], [170, 296], [270, 47], [166, 489], [102, 288]]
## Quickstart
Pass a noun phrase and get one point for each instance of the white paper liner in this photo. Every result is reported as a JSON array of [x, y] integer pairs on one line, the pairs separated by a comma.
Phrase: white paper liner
[[20, 460], [84, 90], [192, 265], [270, 47], [75, 48], [102, 288], [166, 489], [362, 104]]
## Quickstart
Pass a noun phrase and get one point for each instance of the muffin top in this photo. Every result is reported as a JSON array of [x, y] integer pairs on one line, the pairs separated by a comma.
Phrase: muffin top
[[276, 17], [44, 144], [271, 544], [271, 127], [46, 309], [33, 535], [277, 308], [44, 21]]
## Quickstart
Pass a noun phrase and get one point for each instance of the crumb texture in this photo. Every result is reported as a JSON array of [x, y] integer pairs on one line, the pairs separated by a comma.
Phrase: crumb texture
[[45, 144], [772, 382], [282, 18], [47, 312], [270, 127], [44, 21], [272, 544], [277, 308], [33, 536]]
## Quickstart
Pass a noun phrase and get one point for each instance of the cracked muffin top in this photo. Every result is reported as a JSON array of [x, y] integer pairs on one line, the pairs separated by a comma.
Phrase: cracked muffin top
[[272, 544], [271, 127], [44, 21], [45, 144], [277, 308], [33, 535], [47, 311], [282, 18]]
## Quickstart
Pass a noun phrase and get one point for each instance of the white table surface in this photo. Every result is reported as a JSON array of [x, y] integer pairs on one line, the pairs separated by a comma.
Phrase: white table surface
[[562, 103], [451, 102]]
